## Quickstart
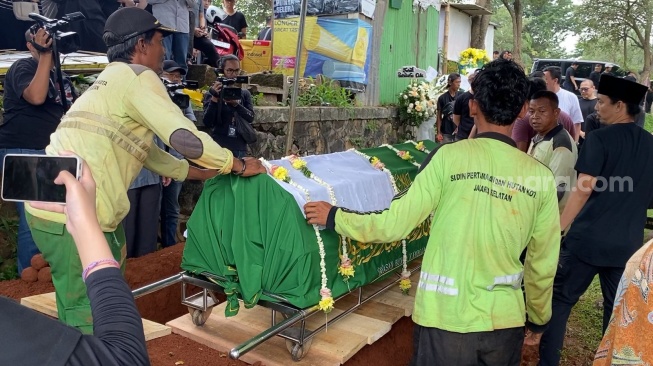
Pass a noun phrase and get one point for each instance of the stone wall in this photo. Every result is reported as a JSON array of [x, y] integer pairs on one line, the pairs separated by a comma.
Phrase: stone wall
[[318, 130], [321, 130]]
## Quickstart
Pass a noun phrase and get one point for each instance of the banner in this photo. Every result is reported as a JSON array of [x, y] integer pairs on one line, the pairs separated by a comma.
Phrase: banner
[[336, 48], [291, 8], [258, 55]]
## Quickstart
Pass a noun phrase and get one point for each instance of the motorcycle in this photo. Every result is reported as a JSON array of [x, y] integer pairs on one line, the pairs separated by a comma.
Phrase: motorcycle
[[223, 37]]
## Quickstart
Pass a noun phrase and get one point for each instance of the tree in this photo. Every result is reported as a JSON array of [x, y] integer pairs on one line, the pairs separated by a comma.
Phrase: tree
[[516, 11], [548, 24], [480, 23], [625, 20], [255, 12]]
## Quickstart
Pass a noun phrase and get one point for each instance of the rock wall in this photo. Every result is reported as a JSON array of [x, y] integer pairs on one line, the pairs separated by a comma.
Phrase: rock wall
[[321, 130], [318, 130]]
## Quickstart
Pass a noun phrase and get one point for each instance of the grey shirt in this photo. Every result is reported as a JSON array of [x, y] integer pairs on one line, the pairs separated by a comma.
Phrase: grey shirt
[[172, 13]]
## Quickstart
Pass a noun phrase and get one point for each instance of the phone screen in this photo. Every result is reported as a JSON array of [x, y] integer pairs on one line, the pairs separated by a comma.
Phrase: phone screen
[[31, 177]]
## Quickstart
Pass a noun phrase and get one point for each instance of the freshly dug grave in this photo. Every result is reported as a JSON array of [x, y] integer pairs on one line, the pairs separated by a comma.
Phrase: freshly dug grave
[[394, 349]]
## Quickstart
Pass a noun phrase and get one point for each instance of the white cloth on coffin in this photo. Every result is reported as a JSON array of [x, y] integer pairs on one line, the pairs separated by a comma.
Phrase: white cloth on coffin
[[356, 184]]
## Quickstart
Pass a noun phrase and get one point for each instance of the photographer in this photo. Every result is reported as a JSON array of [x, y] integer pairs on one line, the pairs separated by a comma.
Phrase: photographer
[[221, 115], [112, 127], [33, 109]]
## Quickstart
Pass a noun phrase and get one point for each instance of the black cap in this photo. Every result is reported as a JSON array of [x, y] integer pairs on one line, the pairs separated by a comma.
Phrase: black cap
[[170, 66], [127, 23], [621, 89]]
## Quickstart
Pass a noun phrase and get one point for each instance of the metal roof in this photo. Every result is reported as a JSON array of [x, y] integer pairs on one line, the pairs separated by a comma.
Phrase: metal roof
[[471, 9]]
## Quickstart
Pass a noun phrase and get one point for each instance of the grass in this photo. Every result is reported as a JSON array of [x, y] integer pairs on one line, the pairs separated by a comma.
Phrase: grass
[[584, 329], [648, 125]]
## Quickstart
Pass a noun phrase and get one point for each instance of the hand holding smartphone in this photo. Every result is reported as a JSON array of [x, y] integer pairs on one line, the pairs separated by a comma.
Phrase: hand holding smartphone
[[31, 177]]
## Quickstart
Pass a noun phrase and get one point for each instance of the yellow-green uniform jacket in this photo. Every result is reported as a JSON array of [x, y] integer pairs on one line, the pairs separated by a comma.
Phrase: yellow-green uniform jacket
[[490, 202], [112, 126]]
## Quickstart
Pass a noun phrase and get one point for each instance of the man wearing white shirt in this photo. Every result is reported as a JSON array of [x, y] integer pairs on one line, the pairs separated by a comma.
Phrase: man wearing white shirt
[[567, 101]]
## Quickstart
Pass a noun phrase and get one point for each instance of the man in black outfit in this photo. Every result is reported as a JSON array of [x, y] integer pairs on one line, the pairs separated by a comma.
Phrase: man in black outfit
[[223, 123], [461, 118], [570, 78], [266, 33], [235, 18], [33, 108], [595, 75], [608, 208], [445, 127]]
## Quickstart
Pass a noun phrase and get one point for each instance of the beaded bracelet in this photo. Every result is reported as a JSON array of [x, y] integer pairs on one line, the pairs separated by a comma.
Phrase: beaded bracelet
[[112, 262]]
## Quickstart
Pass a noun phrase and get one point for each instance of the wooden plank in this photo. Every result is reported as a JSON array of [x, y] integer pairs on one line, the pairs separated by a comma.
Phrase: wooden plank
[[398, 300], [372, 309], [44, 303], [223, 334], [372, 329], [155, 330], [337, 342], [47, 304]]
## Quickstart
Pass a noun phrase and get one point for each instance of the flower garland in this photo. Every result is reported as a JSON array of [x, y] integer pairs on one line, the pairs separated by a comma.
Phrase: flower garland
[[300, 164], [377, 164], [326, 302], [404, 282], [405, 155], [420, 146], [346, 269]]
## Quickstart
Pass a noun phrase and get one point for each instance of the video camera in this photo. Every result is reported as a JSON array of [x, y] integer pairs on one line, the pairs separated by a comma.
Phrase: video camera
[[66, 42], [229, 90], [177, 95]]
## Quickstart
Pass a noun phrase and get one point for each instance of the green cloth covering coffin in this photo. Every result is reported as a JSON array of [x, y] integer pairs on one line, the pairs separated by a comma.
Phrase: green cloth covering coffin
[[253, 233]]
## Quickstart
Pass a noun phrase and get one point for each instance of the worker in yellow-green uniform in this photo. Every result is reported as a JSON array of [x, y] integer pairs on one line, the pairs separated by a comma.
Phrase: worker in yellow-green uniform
[[112, 127], [490, 202]]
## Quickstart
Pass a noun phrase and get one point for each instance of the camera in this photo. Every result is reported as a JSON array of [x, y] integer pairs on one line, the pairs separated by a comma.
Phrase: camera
[[66, 42], [176, 94], [229, 90]]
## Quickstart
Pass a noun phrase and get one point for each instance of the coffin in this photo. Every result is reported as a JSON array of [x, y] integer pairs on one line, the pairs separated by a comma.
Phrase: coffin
[[252, 231]]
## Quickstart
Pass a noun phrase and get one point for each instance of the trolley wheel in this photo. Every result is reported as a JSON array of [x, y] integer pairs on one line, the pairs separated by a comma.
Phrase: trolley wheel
[[297, 351], [199, 317]]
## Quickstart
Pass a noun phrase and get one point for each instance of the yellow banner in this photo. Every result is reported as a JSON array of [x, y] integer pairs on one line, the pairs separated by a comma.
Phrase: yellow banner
[[258, 55], [286, 33], [336, 48]]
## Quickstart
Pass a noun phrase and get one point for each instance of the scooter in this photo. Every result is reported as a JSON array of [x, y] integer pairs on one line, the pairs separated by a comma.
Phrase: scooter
[[225, 38]]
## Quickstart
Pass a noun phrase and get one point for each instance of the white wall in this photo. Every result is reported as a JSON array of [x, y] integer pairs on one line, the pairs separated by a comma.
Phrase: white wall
[[489, 41], [460, 34], [460, 28]]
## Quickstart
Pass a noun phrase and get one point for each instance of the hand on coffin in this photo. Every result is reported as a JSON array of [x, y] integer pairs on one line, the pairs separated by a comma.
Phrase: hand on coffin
[[252, 167], [317, 212]]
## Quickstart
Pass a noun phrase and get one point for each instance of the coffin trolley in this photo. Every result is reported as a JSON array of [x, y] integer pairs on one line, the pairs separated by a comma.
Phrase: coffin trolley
[[248, 239]]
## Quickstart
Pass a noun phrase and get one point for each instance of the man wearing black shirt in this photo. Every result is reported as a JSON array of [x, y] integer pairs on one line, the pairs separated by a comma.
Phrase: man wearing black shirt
[[595, 75], [266, 33], [444, 119], [587, 101], [222, 118], [235, 18], [570, 78], [461, 118], [608, 208], [33, 109]]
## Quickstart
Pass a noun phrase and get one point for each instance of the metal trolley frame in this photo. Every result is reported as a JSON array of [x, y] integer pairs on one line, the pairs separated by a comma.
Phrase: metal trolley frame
[[292, 327]]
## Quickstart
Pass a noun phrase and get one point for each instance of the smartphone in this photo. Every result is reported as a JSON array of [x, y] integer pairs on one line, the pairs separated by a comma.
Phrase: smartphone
[[31, 177]]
